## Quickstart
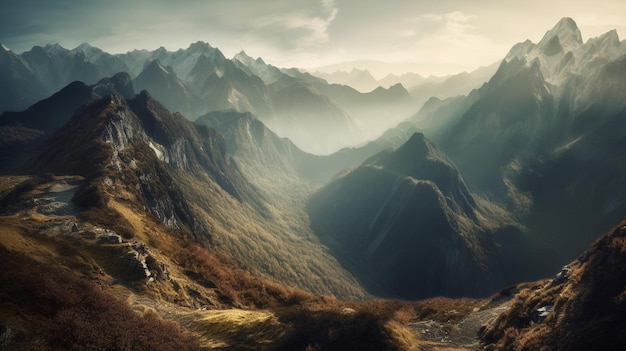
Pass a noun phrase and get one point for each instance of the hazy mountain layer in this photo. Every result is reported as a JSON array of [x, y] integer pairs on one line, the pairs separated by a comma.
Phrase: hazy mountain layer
[[200, 79]]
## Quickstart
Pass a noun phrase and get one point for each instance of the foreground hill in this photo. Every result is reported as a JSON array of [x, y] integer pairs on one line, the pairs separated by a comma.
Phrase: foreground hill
[[181, 174], [581, 308], [116, 269], [405, 223]]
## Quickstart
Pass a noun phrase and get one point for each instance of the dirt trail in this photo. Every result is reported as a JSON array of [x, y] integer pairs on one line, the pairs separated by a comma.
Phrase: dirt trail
[[462, 335]]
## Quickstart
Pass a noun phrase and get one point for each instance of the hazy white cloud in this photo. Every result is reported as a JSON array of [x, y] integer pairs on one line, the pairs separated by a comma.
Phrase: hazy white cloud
[[446, 25], [296, 30]]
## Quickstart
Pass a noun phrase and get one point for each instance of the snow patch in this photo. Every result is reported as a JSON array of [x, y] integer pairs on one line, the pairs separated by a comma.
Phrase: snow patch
[[235, 97], [4, 48], [163, 69], [157, 151], [567, 146]]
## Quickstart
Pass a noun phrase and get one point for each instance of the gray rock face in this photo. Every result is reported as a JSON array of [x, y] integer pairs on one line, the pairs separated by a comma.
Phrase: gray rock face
[[109, 237], [143, 264], [137, 264]]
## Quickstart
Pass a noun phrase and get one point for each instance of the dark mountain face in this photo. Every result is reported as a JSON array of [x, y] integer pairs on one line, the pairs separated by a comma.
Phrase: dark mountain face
[[520, 109], [165, 86], [19, 86], [540, 138], [407, 225]]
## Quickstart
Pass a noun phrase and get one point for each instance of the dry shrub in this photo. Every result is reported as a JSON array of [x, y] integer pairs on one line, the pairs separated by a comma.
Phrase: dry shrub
[[334, 330], [241, 288], [67, 312]]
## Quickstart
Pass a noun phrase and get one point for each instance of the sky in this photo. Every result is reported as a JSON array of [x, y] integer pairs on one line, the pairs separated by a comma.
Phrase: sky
[[427, 37]]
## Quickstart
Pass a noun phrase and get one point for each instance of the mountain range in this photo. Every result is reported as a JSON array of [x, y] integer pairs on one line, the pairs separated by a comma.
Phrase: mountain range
[[232, 204], [199, 79]]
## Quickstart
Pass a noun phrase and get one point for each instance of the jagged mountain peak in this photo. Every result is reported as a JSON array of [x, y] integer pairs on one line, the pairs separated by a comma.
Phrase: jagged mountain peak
[[420, 159], [86, 47], [121, 83], [398, 87], [242, 56], [54, 47], [155, 66], [417, 146], [246, 59], [567, 33], [200, 46], [610, 38]]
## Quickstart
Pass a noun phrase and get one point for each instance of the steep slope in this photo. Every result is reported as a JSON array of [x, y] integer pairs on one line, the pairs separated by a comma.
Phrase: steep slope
[[375, 111], [180, 173], [455, 85], [262, 155], [581, 308], [405, 223], [200, 79], [540, 138], [57, 66], [303, 115], [23, 131], [276, 163], [215, 80], [165, 86], [521, 108], [19, 86], [268, 73]]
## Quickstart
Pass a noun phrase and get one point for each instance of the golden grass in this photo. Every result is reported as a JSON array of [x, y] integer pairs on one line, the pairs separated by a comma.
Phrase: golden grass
[[236, 328], [7, 183]]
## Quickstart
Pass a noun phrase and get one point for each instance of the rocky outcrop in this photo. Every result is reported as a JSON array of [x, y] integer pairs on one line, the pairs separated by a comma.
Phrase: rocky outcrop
[[581, 308]]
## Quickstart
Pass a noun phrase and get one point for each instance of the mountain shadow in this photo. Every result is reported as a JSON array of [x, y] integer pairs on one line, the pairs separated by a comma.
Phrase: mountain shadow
[[406, 225]]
